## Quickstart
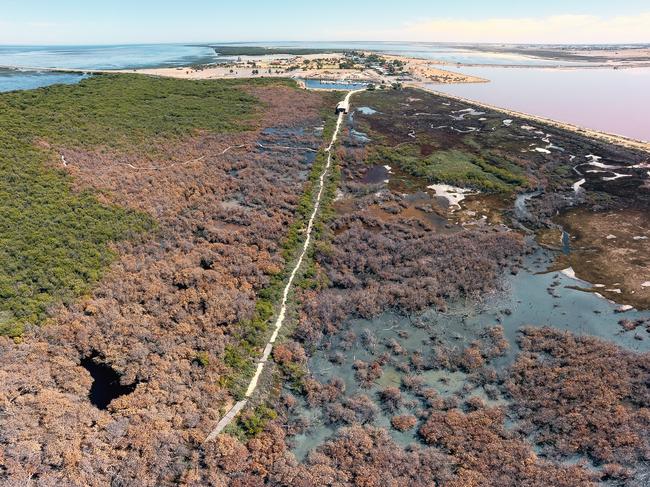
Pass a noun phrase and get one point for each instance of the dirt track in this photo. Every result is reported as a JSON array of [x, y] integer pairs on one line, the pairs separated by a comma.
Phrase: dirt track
[[252, 386]]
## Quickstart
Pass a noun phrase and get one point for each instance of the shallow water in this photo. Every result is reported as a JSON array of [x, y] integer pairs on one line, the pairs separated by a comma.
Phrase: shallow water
[[105, 57], [31, 59], [530, 298], [11, 80], [375, 174], [521, 208], [317, 84], [293, 141], [615, 101]]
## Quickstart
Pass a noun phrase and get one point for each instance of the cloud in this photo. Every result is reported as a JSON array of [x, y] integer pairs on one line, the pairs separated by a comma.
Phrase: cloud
[[559, 29]]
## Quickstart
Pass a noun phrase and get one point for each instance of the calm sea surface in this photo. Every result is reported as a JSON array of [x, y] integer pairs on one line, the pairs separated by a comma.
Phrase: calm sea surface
[[29, 59], [16, 80], [104, 57]]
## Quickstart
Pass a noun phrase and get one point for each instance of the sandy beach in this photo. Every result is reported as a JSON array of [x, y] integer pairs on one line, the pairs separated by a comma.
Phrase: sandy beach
[[427, 70], [313, 66]]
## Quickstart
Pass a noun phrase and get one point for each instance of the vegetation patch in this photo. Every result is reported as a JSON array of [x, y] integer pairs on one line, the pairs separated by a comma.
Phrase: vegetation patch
[[251, 422], [254, 334], [453, 166], [55, 242], [123, 110]]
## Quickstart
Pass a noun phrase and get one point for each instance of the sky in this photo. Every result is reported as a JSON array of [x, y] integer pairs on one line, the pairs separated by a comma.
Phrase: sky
[[153, 21]]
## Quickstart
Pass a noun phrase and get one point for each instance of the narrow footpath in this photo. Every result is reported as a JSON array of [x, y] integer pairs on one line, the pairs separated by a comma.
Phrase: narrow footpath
[[252, 386]]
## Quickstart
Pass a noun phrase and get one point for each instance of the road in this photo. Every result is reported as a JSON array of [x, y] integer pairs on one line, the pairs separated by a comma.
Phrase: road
[[252, 386]]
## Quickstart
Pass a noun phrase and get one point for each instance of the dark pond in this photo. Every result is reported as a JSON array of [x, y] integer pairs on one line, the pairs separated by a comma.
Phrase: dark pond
[[106, 383], [375, 175]]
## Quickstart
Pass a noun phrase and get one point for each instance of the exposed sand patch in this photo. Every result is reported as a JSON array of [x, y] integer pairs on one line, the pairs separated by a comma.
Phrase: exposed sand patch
[[569, 272], [428, 71], [453, 194], [312, 66], [577, 186]]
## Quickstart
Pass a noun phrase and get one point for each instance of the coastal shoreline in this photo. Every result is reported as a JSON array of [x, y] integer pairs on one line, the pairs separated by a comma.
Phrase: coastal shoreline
[[369, 76], [607, 137], [431, 74], [561, 67]]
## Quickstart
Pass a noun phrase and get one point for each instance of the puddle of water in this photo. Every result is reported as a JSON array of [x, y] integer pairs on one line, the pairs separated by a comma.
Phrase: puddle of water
[[566, 242], [466, 112], [359, 137], [521, 210], [284, 131], [375, 175], [318, 84], [437, 222], [367, 110]]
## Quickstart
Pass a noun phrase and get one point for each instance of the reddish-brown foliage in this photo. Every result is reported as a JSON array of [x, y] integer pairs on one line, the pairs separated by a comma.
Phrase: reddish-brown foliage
[[179, 292], [488, 455], [403, 423], [403, 267], [582, 395]]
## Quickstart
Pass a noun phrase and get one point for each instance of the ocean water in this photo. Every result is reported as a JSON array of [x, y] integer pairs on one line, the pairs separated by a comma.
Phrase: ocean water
[[610, 100], [161, 55], [104, 57], [33, 61], [11, 80]]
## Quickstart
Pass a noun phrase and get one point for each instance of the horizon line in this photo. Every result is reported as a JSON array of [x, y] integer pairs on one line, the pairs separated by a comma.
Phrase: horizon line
[[218, 43]]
